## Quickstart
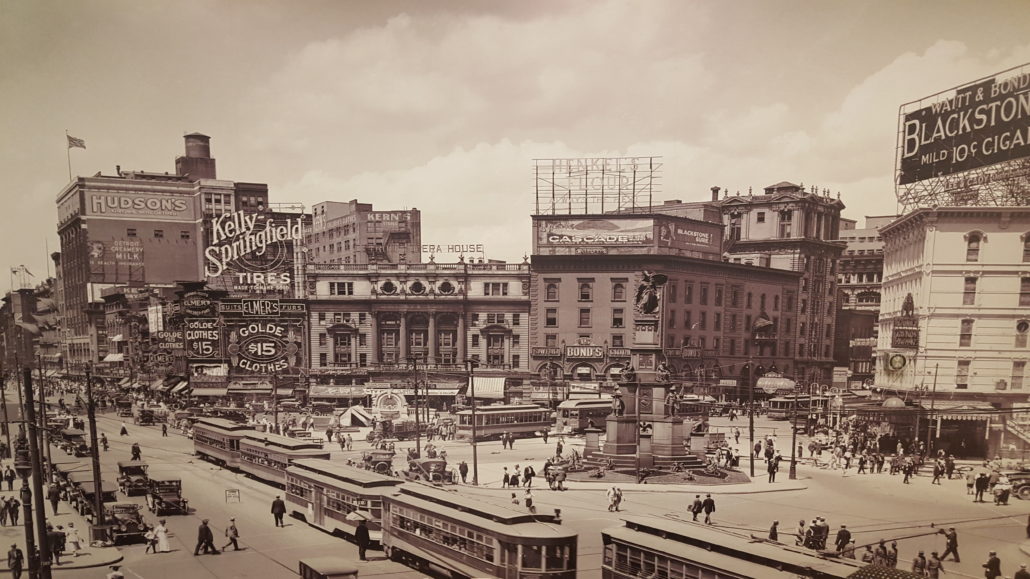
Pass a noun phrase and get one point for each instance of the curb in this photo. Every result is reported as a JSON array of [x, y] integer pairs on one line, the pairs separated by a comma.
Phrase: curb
[[658, 488], [68, 567]]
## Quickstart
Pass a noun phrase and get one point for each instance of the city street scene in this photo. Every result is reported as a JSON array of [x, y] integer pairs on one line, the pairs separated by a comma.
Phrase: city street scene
[[541, 290]]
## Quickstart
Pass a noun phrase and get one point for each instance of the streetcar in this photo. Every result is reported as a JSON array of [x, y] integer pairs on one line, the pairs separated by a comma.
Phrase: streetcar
[[335, 497], [218, 440], [660, 547], [444, 532], [265, 456], [519, 420], [783, 407], [574, 416]]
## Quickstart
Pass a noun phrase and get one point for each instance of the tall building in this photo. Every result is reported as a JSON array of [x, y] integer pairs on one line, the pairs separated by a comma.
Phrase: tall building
[[859, 276], [368, 321], [954, 320], [586, 270], [787, 228], [354, 233]]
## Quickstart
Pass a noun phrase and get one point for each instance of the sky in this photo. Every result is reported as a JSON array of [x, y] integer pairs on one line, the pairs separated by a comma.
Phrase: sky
[[444, 105]]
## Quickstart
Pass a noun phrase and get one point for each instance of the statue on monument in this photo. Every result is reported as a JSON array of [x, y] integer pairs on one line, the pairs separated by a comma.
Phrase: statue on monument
[[663, 373], [647, 291], [628, 374]]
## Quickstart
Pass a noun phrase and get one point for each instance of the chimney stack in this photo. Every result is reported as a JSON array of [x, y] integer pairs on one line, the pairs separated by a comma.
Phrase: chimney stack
[[715, 193]]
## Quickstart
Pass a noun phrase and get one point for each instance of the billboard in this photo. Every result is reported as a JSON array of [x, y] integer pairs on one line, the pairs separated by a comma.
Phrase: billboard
[[595, 185], [264, 346], [689, 236], [116, 260], [251, 254], [138, 205], [602, 232], [203, 339], [972, 126]]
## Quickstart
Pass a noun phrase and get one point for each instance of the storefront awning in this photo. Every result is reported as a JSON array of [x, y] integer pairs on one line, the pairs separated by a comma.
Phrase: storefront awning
[[953, 410], [158, 384], [180, 387], [209, 391], [114, 358], [318, 391], [123, 382], [774, 385], [448, 392], [280, 392], [487, 387]]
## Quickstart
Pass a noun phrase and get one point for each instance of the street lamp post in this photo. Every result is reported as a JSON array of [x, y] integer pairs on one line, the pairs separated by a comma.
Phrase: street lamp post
[[37, 480], [929, 417], [44, 442], [470, 365], [751, 414], [793, 474], [413, 360]]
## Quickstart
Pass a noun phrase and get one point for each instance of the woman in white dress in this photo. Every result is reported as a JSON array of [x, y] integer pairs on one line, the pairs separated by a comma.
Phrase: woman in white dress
[[161, 532], [73, 540]]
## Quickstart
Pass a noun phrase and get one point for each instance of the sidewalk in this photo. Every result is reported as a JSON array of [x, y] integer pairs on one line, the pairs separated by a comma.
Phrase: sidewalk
[[89, 557]]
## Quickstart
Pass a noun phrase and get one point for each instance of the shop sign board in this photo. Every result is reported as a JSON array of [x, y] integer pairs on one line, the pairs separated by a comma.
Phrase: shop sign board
[[264, 346], [202, 338], [252, 253], [905, 338], [595, 231], [584, 352], [167, 339]]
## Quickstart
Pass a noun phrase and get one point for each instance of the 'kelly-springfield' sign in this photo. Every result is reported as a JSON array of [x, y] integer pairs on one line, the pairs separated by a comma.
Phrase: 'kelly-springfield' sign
[[237, 236]]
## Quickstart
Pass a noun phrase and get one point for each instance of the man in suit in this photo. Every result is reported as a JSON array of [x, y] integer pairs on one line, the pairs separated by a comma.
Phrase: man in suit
[[843, 538], [708, 505], [695, 509], [951, 543], [362, 538], [15, 561], [278, 510], [205, 540], [992, 568]]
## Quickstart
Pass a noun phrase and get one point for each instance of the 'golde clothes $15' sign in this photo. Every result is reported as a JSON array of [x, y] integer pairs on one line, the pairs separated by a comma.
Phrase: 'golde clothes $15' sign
[[264, 347]]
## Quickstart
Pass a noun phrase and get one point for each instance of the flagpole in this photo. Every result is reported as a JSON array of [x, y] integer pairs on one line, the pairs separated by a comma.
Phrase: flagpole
[[68, 150]]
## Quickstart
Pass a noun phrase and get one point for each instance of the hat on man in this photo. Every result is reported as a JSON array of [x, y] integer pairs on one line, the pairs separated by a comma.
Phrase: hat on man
[[232, 518], [204, 521]]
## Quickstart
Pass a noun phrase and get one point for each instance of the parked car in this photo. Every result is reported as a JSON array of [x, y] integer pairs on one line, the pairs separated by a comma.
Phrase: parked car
[[132, 477], [126, 522], [166, 497]]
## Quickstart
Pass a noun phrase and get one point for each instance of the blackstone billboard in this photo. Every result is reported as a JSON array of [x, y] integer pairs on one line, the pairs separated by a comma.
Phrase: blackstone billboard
[[975, 125]]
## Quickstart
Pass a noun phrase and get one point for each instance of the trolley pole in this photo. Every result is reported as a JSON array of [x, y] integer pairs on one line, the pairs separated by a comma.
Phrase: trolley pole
[[94, 455], [470, 364]]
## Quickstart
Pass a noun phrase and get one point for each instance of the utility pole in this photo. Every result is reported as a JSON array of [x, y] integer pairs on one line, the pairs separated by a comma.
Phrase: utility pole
[[35, 460], [793, 475], [471, 364], [94, 454], [413, 360], [929, 418], [3, 408], [751, 413], [44, 443], [275, 400]]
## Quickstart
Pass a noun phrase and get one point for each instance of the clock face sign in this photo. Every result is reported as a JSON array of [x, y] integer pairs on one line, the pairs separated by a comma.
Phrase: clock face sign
[[896, 362]]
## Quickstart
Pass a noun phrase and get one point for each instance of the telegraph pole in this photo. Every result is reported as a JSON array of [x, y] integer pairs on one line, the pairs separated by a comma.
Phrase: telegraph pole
[[751, 414], [413, 360], [470, 364], [94, 453], [43, 438], [929, 418]]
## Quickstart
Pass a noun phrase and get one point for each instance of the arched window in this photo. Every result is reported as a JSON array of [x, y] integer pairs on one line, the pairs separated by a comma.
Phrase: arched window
[[619, 292], [973, 242], [1022, 328], [551, 292], [586, 292]]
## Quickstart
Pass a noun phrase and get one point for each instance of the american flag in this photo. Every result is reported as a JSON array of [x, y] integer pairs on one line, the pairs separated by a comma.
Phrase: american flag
[[74, 142]]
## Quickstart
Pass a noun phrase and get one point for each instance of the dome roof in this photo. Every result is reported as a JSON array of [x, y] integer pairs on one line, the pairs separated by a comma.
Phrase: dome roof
[[893, 402]]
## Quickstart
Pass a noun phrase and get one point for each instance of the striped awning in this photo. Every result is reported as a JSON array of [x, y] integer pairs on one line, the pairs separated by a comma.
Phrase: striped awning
[[488, 387], [180, 387], [114, 358]]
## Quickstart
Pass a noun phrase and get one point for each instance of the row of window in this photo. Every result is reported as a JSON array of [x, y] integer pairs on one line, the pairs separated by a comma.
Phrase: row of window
[[158, 233], [969, 291], [1016, 382], [965, 334], [976, 239]]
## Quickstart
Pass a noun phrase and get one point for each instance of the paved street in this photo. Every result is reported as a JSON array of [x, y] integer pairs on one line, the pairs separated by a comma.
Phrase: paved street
[[873, 507]]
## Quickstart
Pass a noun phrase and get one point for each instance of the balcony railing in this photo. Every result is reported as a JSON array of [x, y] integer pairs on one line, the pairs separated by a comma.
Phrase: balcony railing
[[432, 267]]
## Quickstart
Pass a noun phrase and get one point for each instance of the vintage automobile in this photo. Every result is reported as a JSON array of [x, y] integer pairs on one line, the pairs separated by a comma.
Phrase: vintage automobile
[[84, 493], [124, 406], [165, 498], [73, 441], [145, 417], [432, 470], [379, 460], [132, 477], [126, 522], [398, 429]]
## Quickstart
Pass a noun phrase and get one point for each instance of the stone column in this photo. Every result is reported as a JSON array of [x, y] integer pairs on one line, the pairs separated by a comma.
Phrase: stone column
[[431, 358], [373, 339], [461, 339], [403, 345]]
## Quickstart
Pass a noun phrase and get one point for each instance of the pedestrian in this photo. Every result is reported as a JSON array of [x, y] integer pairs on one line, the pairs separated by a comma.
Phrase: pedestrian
[[843, 538], [758, 450], [104, 443], [15, 561], [205, 540], [709, 507], [970, 481], [527, 475], [125, 430], [13, 511], [934, 566], [350, 442], [981, 484], [513, 481], [137, 453], [151, 538], [736, 435], [951, 543], [849, 550], [73, 540], [938, 472], [53, 494], [892, 555], [506, 478], [1022, 573], [116, 572], [992, 568], [558, 448], [528, 500], [614, 498], [164, 429], [867, 556], [361, 537], [880, 554], [511, 442], [799, 535], [774, 531], [695, 508], [233, 535], [545, 435], [54, 538], [504, 440], [774, 465], [919, 564], [278, 510], [161, 532], [9, 476], [3, 512]]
